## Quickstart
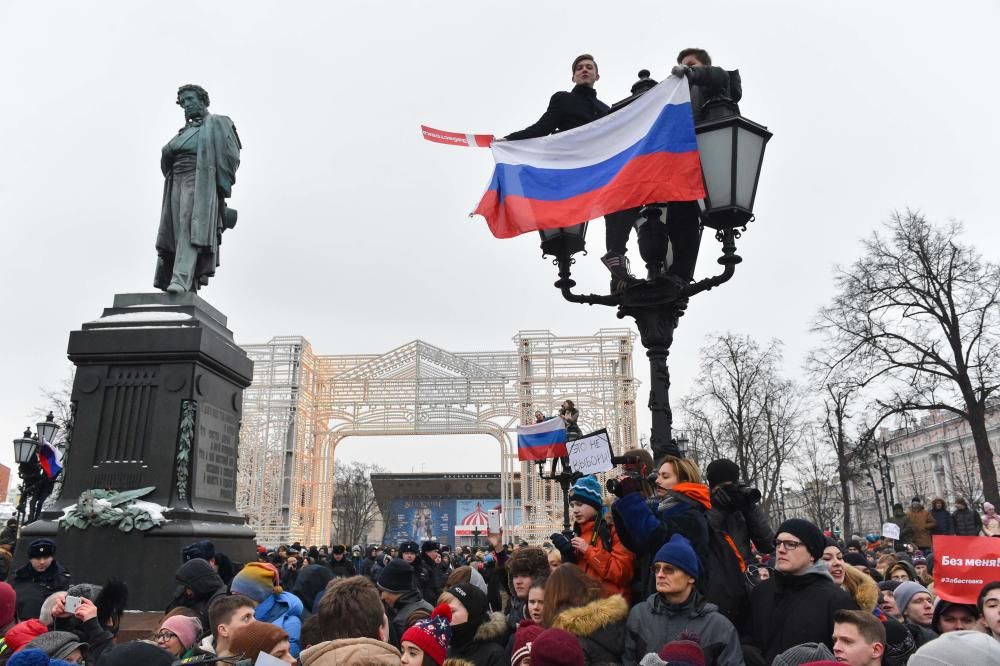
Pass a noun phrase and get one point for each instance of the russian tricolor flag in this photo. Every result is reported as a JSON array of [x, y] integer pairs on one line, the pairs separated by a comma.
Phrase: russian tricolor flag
[[50, 459], [540, 441], [644, 153]]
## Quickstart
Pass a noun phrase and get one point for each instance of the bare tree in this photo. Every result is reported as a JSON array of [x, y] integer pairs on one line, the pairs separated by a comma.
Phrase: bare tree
[[918, 316], [354, 506], [822, 501], [742, 409], [965, 482]]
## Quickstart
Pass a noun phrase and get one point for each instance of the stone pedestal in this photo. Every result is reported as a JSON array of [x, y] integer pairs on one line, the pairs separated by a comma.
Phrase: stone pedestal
[[158, 395]]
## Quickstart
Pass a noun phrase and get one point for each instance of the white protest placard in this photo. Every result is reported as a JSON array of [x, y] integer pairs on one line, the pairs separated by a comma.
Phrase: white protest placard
[[264, 659], [590, 454], [890, 530]]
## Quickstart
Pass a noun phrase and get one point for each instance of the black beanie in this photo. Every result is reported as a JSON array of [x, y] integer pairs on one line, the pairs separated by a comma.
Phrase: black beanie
[[474, 601], [396, 577], [720, 471], [807, 533], [135, 652]]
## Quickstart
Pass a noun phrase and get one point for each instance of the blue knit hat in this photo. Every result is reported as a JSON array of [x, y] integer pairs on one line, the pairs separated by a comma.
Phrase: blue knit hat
[[678, 552], [587, 490]]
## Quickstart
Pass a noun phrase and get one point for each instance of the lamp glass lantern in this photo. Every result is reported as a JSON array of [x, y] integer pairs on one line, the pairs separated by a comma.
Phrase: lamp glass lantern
[[732, 151], [25, 447], [565, 241], [47, 429]]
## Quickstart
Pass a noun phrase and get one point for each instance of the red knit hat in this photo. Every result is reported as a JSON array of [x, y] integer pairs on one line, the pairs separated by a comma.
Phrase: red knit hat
[[433, 634], [23, 633], [683, 651], [526, 633], [556, 647]]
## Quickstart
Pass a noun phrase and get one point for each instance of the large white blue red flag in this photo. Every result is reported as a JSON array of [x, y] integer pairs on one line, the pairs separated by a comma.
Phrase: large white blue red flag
[[644, 153], [50, 459], [540, 441]]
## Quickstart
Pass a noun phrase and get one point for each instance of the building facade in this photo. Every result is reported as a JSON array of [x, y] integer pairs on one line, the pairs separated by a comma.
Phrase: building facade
[[936, 457]]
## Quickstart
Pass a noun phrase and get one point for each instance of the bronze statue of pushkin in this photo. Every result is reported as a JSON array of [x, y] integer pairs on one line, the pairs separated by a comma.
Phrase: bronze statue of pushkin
[[199, 166]]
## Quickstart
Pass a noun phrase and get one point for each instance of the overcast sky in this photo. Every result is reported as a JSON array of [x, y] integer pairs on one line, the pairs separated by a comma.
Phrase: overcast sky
[[354, 231]]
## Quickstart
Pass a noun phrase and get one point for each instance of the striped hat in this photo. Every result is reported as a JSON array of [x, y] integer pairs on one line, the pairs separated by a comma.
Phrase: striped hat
[[587, 490], [257, 580]]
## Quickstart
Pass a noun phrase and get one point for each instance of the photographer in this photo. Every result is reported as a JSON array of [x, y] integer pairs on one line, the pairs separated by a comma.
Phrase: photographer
[[570, 414], [736, 509]]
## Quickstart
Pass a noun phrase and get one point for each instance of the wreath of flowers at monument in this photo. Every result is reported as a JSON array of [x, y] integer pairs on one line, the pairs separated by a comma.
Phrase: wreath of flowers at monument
[[111, 508]]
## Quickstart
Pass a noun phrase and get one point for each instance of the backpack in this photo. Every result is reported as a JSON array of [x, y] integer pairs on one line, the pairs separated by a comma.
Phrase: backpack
[[724, 582]]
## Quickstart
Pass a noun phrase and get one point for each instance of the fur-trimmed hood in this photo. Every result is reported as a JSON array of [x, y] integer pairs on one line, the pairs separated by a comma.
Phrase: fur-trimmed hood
[[863, 589], [494, 629], [454, 661], [583, 621]]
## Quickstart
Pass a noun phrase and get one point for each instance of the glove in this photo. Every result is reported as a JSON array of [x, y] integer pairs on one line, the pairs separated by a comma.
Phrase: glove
[[626, 485], [679, 70], [562, 544]]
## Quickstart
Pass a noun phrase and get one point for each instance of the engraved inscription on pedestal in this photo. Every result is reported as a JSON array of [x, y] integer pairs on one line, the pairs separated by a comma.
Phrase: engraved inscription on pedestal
[[215, 458]]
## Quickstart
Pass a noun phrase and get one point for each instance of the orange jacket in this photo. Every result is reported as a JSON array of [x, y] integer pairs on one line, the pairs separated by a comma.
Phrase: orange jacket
[[613, 570]]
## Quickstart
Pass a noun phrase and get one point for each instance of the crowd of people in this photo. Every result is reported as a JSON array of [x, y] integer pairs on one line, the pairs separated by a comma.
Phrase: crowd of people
[[667, 569]]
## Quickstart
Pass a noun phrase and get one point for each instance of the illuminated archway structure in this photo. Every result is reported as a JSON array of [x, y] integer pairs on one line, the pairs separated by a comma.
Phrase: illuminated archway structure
[[301, 405]]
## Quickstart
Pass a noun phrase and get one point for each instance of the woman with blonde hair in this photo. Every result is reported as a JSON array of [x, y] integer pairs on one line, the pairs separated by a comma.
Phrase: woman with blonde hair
[[678, 506]]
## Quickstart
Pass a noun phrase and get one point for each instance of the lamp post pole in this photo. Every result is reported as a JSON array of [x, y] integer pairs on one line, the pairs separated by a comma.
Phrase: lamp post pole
[[564, 477]]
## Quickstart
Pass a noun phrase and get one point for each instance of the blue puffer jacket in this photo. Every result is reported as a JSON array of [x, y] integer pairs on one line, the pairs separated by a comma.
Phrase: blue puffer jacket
[[283, 610]]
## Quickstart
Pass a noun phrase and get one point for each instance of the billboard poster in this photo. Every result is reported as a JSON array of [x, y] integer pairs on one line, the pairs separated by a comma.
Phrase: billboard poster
[[470, 513], [420, 520]]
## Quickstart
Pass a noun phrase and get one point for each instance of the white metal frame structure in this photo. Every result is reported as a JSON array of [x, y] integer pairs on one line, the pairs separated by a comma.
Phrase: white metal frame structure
[[301, 405]]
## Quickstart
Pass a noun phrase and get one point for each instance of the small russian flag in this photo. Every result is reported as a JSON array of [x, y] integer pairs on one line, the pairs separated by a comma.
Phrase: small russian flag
[[50, 459], [540, 441]]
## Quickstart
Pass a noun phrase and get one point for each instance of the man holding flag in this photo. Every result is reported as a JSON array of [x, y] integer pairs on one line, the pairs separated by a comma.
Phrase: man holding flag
[[569, 110]]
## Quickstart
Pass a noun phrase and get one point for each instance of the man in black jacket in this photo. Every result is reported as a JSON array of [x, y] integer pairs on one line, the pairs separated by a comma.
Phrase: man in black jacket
[[569, 110], [736, 509], [39, 578], [679, 221], [427, 571], [798, 603]]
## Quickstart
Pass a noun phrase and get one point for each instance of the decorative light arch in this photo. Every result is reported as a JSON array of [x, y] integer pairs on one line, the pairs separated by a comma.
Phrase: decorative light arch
[[301, 406]]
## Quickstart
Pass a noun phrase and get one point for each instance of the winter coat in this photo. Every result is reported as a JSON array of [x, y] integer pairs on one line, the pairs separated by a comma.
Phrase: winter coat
[[342, 569], [655, 622], [6, 560], [613, 569], [32, 587], [429, 578], [942, 521], [366, 651], [407, 603], [198, 576], [310, 585], [905, 529], [966, 522], [921, 524], [487, 647], [789, 609], [566, 111], [599, 627], [709, 82], [645, 525], [744, 523], [283, 610], [97, 637]]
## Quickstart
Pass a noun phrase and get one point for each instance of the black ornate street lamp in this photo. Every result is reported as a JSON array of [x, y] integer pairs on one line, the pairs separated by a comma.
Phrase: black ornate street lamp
[[47, 429], [25, 447], [732, 152]]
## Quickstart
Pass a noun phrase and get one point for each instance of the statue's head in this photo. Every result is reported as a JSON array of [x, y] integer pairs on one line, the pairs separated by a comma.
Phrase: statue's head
[[193, 99]]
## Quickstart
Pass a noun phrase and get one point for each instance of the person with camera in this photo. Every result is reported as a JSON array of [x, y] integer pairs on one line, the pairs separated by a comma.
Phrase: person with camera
[[736, 509], [569, 414]]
